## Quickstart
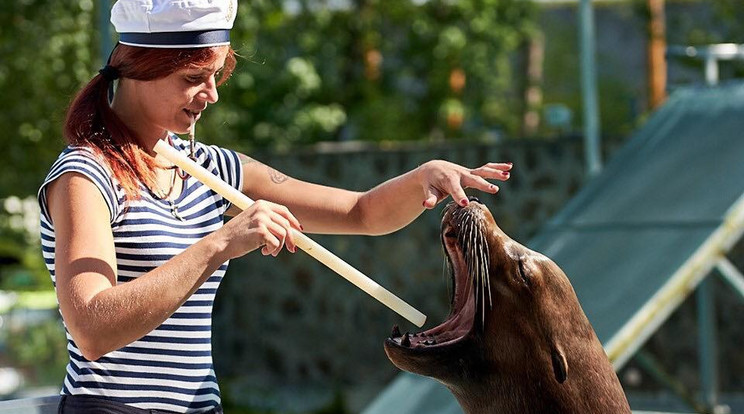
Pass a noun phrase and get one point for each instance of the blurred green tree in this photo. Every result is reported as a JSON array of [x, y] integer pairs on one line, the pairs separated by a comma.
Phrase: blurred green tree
[[47, 50], [310, 71], [373, 70], [36, 344]]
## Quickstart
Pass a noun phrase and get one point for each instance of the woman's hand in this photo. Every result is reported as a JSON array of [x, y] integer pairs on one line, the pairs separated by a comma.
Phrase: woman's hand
[[441, 178], [264, 224]]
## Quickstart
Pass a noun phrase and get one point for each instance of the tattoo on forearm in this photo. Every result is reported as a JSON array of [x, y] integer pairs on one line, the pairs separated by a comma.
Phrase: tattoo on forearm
[[276, 176]]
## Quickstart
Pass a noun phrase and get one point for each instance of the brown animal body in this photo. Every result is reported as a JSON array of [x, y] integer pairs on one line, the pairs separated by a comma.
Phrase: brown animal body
[[517, 340]]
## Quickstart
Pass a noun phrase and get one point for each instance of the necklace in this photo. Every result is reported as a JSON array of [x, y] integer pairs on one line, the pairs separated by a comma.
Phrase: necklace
[[183, 174], [166, 195], [177, 172]]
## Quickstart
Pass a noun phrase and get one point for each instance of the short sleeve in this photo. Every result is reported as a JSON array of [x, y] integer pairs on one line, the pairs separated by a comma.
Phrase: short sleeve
[[228, 165], [225, 164], [84, 162]]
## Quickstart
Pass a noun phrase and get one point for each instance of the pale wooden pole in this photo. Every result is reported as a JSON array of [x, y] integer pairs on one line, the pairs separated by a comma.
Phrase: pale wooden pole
[[657, 66], [305, 243]]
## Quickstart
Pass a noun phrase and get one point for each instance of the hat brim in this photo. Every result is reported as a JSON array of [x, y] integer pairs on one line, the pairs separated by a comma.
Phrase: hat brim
[[173, 40]]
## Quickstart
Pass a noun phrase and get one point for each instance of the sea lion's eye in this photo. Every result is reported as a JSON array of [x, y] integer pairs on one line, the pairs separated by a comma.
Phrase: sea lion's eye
[[523, 273]]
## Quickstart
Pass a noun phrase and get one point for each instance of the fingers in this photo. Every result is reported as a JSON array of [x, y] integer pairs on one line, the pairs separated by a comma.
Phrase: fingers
[[492, 170], [449, 184], [480, 183], [276, 236], [452, 180], [272, 224], [433, 196], [457, 191]]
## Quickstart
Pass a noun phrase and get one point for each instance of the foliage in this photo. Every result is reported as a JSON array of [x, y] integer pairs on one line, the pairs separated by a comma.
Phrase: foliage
[[367, 69], [723, 24], [21, 263], [47, 51], [374, 70], [706, 24], [38, 349]]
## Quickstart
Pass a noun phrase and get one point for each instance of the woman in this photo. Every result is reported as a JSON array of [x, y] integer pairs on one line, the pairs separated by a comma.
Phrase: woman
[[137, 249]]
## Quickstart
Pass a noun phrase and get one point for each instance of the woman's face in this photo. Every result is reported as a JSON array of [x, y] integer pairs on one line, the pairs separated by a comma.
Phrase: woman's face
[[169, 104]]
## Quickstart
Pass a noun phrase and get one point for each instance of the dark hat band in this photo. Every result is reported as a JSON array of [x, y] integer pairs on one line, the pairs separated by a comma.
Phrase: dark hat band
[[202, 38]]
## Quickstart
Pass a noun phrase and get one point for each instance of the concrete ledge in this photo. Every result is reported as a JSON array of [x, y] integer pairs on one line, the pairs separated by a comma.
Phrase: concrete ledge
[[38, 405]]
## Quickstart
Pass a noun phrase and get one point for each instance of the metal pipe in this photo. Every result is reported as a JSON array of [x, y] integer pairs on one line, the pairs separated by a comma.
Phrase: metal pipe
[[731, 274], [589, 89], [707, 343], [652, 366], [711, 70]]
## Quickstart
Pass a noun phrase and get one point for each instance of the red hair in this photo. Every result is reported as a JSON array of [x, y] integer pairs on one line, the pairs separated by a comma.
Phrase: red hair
[[91, 123]]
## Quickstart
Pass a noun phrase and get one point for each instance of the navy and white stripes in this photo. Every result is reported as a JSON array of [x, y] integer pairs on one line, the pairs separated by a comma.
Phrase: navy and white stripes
[[171, 367]]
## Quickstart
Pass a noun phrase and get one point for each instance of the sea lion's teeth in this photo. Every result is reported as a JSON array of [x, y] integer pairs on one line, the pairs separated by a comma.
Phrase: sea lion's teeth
[[396, 332], [406, 341]]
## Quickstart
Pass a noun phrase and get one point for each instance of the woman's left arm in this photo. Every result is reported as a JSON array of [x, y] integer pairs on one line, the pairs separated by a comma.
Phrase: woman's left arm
[[383, 209]]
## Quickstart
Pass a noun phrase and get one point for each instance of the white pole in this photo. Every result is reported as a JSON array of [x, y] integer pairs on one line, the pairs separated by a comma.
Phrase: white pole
[[301, 240]]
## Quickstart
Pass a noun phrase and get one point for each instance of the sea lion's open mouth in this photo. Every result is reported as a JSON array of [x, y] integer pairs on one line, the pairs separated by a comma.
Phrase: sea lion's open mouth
[[516, 339], [466, 249]]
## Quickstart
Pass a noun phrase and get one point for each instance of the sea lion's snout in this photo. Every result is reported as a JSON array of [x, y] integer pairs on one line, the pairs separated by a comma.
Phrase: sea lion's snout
[[463, 237], [515, 321]]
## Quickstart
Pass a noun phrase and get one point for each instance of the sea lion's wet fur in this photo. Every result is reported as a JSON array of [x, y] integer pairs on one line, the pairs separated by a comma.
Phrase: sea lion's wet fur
[[524, 345]]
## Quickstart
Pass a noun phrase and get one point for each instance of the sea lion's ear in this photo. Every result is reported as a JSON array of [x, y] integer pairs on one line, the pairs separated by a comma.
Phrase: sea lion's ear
[[560, 365]]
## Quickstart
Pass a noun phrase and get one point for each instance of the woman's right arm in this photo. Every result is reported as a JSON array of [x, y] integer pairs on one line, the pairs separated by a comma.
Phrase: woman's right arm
[[102, 316]]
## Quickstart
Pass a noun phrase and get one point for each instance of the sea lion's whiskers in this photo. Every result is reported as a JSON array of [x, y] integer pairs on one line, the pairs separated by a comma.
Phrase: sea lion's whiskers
[[486, 254], [473, 243], [448, 275], [484, 258], [475, 252], [470, 254], [483, 273]]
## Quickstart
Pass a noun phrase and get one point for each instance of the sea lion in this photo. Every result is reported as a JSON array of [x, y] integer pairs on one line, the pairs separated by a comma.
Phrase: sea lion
[[516, 340]]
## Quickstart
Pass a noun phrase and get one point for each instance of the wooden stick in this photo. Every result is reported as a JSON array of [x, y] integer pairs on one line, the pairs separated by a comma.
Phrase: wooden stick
[[301, 240]]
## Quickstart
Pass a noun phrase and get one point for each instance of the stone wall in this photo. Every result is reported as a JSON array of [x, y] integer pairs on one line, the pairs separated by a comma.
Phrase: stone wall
[[292, 336]]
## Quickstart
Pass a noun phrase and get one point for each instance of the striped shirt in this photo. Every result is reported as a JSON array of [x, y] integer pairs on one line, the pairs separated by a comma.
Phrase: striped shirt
[[171, 367]]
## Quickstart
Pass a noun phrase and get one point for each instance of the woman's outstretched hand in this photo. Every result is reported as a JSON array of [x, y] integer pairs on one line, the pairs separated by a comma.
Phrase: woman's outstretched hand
[[442, 178]]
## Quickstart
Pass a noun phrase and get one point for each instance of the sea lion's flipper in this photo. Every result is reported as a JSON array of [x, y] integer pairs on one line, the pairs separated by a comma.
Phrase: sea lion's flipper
[[560, 365]]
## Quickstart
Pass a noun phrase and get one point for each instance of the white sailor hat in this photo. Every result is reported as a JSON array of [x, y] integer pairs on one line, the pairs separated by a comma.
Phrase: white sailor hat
[[174, 23]]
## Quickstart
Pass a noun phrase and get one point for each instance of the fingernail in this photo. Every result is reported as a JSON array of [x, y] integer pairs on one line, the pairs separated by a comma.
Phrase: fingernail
[[302, 228], [506, 174], [464, 202], [509, 164]]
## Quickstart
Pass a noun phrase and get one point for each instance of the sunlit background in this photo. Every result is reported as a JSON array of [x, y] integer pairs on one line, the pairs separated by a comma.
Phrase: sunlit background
[[350, 93]]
